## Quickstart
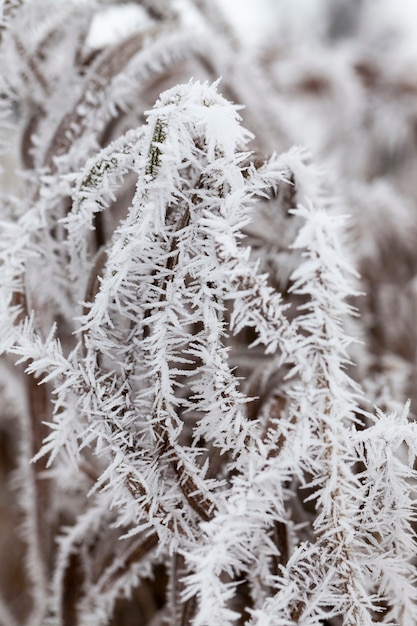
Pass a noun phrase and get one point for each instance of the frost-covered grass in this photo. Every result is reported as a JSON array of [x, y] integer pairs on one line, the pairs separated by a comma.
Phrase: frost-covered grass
[[208, 333]]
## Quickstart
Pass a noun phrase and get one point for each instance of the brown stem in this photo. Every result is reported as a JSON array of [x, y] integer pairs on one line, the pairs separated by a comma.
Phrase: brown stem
[[72, 585], [38, 400], [182, 612], [75, 123], [136, 553], [32, 66], [201, 504]]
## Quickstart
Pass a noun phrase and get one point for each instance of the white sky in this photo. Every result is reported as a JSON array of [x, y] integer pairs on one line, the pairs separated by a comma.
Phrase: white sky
[[114, 23], [249, 17]]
